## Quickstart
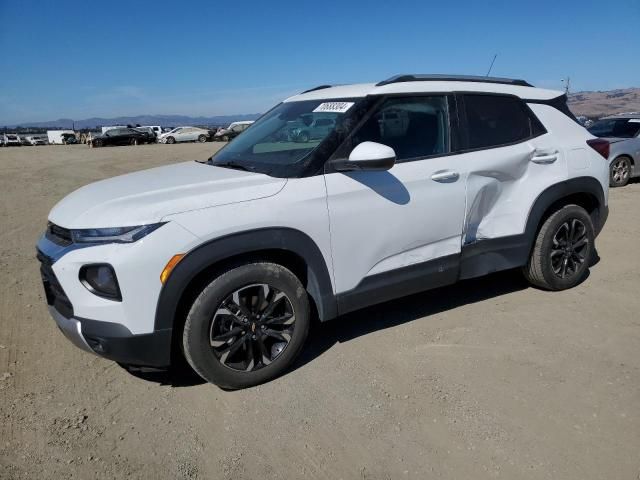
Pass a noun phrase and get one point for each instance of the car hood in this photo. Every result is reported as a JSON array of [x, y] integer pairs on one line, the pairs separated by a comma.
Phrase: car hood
[[147, 196]]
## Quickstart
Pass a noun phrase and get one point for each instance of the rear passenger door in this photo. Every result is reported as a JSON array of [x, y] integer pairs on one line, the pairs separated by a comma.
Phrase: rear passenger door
[[509, 158], [399, 231]]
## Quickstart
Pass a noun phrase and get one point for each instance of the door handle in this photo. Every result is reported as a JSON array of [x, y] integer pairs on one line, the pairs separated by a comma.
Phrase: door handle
[[544, 158], [445, 176]]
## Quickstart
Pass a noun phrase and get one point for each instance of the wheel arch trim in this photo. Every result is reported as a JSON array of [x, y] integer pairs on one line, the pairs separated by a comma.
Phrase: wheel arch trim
[[560, 191], [250, 242]]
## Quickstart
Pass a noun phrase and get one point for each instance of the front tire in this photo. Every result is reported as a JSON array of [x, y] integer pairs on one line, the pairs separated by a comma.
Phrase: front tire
[[563, 250], [171, 140], [619, 172], [202, 138], [247, 326]]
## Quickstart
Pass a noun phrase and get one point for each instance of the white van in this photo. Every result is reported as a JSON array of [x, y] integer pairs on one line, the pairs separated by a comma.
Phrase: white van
[[111, 127]]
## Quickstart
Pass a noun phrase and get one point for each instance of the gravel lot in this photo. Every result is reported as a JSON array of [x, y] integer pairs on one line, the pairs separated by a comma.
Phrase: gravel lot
[[485, 379]]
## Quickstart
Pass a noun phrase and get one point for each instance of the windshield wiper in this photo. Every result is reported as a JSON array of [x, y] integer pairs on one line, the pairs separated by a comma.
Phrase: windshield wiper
[[234, 166]]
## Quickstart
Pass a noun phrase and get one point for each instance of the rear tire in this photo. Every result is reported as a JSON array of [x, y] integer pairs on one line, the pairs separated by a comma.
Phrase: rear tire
[[563, 250], [619, 172], [247, 326]]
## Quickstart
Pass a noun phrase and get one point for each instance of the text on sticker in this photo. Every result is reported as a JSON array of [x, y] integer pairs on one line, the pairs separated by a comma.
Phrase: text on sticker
[[333, 107]]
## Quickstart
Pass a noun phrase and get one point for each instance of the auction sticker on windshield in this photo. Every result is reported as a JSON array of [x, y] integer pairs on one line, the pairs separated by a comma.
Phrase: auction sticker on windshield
[[333, 107]]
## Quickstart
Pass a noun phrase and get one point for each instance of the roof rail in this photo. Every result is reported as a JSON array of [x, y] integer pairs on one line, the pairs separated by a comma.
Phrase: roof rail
[[319, 87], [451, 78]]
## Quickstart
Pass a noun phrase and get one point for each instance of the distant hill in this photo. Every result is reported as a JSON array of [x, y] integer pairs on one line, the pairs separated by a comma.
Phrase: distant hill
[[598, 104], [162, 120]]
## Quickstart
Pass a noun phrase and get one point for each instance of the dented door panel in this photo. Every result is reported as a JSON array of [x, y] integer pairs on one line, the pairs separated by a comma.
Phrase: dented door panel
[[502, 183]]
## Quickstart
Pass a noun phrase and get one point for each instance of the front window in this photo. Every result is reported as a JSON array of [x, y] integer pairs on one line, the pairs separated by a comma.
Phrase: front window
[[415, 127], [285, 141], [616, 127]]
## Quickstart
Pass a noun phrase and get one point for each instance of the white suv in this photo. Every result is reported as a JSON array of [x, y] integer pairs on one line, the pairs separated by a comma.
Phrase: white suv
[[422, 181]]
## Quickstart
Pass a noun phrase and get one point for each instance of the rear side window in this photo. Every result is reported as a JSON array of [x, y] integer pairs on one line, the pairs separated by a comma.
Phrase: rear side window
[[495, 120]]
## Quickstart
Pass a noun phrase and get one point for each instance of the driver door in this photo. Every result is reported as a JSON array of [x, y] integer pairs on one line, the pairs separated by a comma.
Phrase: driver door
[[399, 231]]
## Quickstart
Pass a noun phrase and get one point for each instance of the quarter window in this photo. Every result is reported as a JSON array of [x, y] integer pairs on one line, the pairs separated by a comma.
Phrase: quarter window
[[494, 120], [415, 127]]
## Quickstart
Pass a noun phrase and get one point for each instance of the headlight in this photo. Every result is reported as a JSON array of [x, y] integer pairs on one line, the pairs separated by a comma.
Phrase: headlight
[[114, 234]]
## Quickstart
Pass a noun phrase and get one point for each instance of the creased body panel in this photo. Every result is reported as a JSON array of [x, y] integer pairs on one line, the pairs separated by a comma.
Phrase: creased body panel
[[503, 183]]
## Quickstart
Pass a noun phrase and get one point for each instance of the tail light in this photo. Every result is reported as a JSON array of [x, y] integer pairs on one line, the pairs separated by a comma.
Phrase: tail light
[[601, 146]]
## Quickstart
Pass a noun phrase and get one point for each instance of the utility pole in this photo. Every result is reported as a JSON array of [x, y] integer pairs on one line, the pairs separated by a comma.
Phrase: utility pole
[[567, 84]]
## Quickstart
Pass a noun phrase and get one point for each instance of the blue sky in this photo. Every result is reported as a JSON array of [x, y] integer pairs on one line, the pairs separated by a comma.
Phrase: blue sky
[[78, 59]]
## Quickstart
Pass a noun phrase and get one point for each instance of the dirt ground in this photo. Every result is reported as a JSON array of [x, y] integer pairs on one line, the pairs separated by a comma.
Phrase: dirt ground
[[485, 379]]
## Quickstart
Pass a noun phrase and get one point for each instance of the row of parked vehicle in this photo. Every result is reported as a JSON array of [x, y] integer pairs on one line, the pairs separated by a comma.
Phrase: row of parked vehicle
[[120, 135], [128, 135]]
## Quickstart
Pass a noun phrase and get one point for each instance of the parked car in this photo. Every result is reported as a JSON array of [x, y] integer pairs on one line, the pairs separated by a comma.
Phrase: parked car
[[11, 140], [61, 137], [312, 128], [623, 133], [148, 130], [156, 129], [185, 134], [121, 136], [232, 131], [36, 140], [69, 139], [228, 260]]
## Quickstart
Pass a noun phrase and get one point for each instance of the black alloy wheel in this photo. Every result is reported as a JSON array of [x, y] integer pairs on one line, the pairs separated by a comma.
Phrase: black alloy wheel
[[563, 250], [570, 247], [252, 327], [248, 325]]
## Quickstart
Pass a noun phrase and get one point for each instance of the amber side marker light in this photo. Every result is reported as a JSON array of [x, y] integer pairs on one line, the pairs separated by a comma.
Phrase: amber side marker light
[[171, 264]]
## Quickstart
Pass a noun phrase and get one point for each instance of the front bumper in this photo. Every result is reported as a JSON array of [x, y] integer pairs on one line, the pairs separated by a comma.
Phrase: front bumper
[[125, 330], [115, 342], [71, 328], [106, 339]]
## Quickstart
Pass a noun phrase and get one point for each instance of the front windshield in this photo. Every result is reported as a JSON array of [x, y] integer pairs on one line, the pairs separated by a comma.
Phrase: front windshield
[[282, 141], [616, 127]]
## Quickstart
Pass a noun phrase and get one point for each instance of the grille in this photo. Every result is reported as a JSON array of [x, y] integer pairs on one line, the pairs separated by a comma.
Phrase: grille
[[52, 289], [59, 235]]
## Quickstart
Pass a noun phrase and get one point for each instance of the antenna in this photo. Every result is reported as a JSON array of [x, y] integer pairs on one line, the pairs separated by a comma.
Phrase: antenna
[[491, 66], [567, 84]]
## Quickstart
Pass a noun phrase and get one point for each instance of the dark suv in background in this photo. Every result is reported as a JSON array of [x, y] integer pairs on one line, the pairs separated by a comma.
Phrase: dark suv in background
[[123, 136]]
